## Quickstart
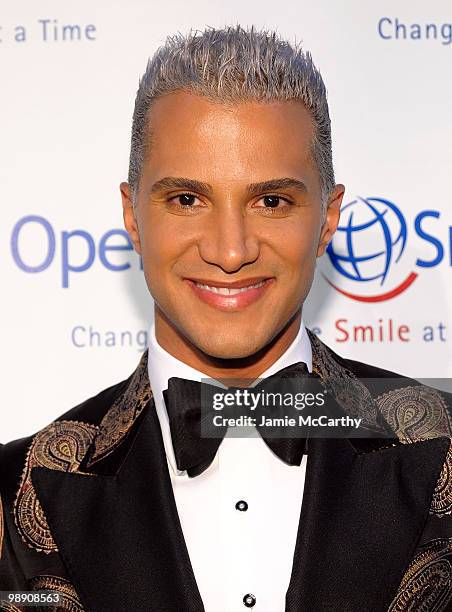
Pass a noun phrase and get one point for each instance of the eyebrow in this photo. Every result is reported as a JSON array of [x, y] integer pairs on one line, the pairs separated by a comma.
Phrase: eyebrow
[[173, 182]]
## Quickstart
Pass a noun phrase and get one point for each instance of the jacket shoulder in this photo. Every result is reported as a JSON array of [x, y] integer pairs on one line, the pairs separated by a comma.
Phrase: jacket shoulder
[[396, 393], [78, 424], [97, 425], [413, 410]]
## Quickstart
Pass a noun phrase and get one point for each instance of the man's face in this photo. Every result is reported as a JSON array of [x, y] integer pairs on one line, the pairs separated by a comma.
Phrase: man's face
[[228, 219]]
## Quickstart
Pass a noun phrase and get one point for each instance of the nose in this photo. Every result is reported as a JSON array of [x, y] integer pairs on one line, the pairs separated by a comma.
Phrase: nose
[[228, 240]]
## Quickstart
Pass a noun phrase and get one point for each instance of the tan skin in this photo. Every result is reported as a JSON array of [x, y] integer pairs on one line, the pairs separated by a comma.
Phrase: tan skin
[[222, 230]]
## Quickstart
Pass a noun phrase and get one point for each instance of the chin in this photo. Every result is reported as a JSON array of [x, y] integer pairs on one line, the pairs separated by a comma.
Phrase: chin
[[232, 347]]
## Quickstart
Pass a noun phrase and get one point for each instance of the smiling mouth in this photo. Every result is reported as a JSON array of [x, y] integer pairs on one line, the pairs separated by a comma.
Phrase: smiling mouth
[[229, 290], [231, 296]]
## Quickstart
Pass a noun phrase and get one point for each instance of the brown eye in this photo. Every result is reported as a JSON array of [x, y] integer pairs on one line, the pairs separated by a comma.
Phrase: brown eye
[[186, 199], [271, 201]]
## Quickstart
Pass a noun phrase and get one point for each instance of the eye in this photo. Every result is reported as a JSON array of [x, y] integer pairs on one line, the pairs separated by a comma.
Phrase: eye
[[186, 200], [273, 201]]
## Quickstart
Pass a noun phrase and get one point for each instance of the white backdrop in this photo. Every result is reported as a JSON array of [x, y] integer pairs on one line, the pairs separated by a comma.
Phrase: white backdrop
[[67, 98]]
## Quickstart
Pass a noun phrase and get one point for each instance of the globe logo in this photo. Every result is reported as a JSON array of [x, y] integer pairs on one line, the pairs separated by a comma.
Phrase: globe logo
[[369, 240]]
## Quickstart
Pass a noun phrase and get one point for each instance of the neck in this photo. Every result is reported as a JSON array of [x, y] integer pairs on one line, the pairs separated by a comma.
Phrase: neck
[[170, 339]]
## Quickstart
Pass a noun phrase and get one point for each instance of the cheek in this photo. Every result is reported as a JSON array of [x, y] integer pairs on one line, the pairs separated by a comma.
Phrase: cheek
[[296, 248], [158, 242], [163, 250], [156, 250]]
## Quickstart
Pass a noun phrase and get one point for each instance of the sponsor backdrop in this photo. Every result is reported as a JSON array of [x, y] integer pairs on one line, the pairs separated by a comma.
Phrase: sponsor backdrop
[[75, 309]]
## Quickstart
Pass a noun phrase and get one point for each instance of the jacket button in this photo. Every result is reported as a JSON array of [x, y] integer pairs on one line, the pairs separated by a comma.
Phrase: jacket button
[[241, 505], [249, 600]]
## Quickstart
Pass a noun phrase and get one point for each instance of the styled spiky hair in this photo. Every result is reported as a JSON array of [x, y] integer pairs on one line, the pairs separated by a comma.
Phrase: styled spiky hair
[[234, 65]]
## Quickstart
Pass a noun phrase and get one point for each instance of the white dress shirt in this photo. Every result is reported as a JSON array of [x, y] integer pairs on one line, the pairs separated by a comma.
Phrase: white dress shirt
[[234, 552]]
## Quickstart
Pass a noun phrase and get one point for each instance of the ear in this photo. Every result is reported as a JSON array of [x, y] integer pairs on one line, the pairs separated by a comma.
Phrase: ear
[[128, 213], [332, 213]]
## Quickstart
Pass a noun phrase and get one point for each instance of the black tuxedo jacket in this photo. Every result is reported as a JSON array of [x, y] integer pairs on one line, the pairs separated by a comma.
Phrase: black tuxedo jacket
[[88, 507]]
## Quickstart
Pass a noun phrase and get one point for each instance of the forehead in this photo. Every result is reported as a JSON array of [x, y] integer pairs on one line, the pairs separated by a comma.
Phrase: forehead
[[188, 130]]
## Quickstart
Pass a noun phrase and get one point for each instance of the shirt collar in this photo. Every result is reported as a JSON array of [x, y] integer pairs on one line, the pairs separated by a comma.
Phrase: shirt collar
[[162, 366]]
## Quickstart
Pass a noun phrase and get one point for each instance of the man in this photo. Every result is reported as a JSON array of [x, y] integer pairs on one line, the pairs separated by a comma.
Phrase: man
[[230, 200]]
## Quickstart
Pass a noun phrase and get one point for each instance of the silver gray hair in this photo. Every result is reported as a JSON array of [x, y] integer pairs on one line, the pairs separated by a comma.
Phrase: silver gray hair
[[234, 65]]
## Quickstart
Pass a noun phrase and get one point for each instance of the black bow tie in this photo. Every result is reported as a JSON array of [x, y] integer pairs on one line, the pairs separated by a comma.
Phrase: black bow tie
[[194, 452]]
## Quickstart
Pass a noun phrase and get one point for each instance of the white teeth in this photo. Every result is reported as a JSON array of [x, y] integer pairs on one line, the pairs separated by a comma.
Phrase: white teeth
[[229, 290]]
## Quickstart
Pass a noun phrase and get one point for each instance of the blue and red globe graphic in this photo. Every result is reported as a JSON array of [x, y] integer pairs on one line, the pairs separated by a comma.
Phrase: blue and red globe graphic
[[369, 241]]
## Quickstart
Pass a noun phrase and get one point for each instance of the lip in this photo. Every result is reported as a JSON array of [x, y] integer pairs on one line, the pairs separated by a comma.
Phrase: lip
[[238, 284], [235, 302]]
